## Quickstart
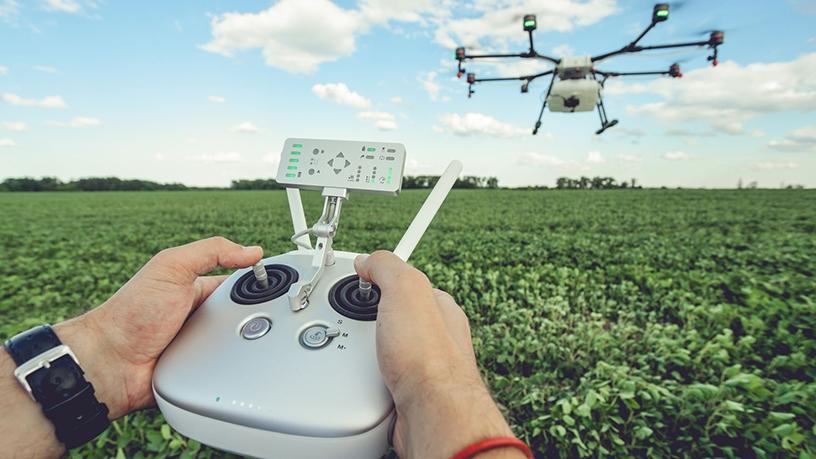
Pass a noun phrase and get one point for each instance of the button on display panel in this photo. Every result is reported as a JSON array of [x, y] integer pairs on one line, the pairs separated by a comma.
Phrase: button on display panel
[[314, 164]]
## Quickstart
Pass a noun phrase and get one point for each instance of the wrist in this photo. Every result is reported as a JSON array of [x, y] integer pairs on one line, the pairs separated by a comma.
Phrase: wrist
[[107, 374], [446, 410]]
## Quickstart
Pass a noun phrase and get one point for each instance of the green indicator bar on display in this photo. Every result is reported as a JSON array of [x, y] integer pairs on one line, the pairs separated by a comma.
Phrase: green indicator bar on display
[[292, 168], [295, 152], [297, 145], [294, 160], [371, 149], [290, 175]]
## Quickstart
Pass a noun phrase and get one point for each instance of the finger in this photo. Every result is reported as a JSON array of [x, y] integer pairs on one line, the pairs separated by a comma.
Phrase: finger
[[388, 271], [189, 261], [204, 286]]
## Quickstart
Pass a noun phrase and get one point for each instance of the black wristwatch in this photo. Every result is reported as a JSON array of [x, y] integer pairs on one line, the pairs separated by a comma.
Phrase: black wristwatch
[[50, 373]]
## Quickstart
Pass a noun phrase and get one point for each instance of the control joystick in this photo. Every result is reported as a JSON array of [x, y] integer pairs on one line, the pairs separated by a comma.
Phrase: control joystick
[[255, 288], [281, 359], [355, 298]]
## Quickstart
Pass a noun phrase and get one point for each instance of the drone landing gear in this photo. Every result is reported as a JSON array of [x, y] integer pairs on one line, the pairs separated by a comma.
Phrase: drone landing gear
[[606, 123], [543, 105]]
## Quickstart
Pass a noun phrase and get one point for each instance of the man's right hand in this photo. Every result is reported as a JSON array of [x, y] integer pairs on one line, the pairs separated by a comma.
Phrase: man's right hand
[[427, 361]]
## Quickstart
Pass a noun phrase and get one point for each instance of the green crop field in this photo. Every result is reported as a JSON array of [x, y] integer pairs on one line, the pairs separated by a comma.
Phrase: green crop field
[[624, 323]]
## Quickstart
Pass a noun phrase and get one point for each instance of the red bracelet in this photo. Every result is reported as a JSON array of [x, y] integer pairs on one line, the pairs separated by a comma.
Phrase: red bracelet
[[491, 443]]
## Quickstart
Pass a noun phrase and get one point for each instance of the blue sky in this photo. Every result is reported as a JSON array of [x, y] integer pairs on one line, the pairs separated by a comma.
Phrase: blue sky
[[205, 92]]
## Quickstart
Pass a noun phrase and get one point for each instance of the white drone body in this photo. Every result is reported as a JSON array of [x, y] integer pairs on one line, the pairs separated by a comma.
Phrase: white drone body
[[287, 367], [575, 89]]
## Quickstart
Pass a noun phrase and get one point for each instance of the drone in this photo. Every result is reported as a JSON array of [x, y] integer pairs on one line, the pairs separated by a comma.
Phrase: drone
[[576, 84]]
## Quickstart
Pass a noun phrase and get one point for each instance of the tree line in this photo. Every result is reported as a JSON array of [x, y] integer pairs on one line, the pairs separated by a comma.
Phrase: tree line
[[85, 184], [594, 183], [117, 184]]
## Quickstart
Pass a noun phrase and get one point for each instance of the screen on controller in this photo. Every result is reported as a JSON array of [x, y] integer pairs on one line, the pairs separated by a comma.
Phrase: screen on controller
[[314, 164]]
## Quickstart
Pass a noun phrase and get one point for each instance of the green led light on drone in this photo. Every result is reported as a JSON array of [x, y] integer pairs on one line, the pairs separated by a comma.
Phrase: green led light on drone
[[529, 23], [663, 13]]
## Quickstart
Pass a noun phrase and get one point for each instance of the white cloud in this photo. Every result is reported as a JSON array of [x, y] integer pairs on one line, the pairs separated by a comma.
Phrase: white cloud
[[429, 84], [216, 99], [272, 158], [768, 165], [8, 10], [339, 93], [7, 143], [545, 160], [477, 123], [46, 69], [230, 157], [799, 140], [397, 100], [494, 23], [246, 127], [299, 35], [728, 95], [595, 157], [382, 120], [629, 158], [16, 126], [3, 70], [563, 50], [293, 35], [45, 102], [77, 122], [63, 6], [676, 156]]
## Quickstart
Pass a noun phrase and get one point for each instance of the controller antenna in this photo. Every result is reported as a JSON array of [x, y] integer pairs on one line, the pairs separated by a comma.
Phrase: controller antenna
[[260, 274]]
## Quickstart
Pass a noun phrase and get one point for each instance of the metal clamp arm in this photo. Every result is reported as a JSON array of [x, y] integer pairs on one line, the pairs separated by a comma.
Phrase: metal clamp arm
[[324, 231]]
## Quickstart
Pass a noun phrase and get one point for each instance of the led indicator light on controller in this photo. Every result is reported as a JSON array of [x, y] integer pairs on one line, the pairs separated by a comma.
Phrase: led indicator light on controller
[[292, 168], [371, 148], [295, 153], [290, 175], [297, 145], [294, 160]]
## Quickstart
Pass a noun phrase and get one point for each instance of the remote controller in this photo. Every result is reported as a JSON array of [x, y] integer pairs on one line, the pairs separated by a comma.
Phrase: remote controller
[[280, 361]]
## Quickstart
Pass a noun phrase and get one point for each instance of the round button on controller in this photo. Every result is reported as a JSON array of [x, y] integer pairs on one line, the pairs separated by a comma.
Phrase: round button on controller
[[256, 328], [317, 336]]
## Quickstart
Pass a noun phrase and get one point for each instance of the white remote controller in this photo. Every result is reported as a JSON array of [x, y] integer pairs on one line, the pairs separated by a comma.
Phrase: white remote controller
[[290, 369]]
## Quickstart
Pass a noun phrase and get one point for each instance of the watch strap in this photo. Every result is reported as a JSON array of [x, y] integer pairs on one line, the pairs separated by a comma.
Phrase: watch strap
[[67, 399]]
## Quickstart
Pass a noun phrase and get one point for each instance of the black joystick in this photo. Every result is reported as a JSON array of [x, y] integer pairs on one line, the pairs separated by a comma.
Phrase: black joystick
[[250, 289], [355, 299]]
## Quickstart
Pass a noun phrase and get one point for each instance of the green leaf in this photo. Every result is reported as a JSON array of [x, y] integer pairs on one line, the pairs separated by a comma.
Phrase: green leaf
[[784, 429], [643, 432], [779, 416], [583, 410], [165, 431]]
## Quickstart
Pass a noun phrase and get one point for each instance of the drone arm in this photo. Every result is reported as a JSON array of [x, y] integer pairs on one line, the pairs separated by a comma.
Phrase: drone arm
[[637, 49], [630, 48], [616, 74], [520, 78]]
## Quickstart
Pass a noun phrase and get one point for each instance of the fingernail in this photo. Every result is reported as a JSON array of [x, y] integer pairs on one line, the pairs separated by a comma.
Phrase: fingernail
[[253, 248], [361, 258]]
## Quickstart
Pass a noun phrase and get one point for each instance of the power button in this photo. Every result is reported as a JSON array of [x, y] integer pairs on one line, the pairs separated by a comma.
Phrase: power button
[[255, 328]]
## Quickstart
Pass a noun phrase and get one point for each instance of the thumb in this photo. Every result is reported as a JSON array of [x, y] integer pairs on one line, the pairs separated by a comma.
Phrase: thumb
[[385, 269], [185, 263]]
